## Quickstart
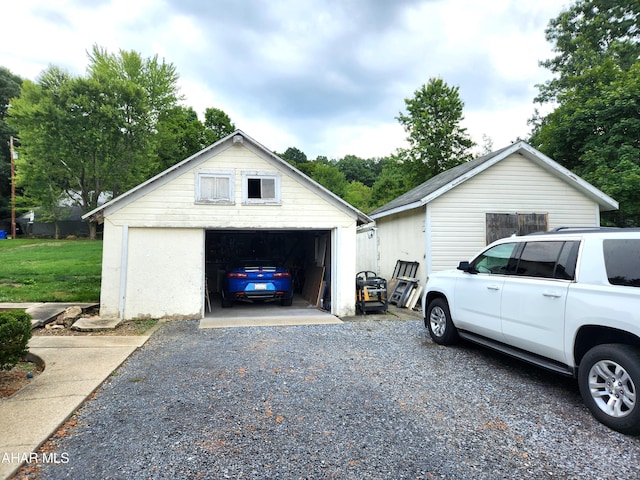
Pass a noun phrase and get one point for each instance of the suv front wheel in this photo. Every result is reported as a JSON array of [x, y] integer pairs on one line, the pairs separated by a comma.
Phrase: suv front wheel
[[608, 377], [438, 322]]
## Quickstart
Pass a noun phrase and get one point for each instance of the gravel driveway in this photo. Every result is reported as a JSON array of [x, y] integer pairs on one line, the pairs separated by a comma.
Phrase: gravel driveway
[[374, 399]]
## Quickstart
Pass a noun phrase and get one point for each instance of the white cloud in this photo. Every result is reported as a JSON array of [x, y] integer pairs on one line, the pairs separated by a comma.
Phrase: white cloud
[[327, 77]]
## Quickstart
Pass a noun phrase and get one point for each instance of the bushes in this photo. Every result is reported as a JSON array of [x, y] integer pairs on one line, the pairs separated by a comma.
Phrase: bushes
[[15, 332]]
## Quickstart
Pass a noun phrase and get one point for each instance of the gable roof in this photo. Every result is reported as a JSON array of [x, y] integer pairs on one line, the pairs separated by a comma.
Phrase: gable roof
[[221, 145], [449, 179]]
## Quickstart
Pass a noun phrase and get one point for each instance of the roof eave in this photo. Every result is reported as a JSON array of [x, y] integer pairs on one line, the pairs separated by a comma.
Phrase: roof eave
[[605, 202]]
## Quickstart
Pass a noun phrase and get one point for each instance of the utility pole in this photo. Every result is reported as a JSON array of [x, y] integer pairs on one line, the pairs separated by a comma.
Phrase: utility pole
[[13, 189]]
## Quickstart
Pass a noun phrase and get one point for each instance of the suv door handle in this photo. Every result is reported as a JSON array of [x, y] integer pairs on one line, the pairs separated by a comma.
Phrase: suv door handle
[[552, 294], [493, 287]]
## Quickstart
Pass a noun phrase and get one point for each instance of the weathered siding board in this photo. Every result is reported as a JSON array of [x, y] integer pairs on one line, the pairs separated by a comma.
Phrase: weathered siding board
[[501, 225], [173, 204], [514, 185]]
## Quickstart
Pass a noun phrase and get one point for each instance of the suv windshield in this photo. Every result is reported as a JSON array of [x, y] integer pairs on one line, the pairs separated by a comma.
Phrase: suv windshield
[[495, 260]]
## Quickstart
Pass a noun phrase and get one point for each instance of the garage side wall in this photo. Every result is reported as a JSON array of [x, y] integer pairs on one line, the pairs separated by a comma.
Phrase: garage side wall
[[401, 237]]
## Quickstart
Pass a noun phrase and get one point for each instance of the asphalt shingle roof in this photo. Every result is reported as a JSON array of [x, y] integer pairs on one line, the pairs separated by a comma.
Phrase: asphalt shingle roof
[[435, 183]]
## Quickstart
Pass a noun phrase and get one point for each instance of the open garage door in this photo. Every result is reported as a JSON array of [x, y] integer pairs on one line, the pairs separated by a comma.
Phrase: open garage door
[[305, 256]]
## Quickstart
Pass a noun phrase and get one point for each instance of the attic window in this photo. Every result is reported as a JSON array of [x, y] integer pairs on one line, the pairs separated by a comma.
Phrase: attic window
[[213, 186], [261, 188]]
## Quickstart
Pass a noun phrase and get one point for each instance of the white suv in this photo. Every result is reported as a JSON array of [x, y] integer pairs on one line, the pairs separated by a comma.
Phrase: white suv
[[566, 300]]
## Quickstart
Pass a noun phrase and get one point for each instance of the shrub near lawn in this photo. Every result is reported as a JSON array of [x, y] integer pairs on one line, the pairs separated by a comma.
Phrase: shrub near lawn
[[15, 332]]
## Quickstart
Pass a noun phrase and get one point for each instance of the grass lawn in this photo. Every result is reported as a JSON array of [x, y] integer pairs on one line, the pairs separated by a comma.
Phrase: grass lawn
[[35, 270]]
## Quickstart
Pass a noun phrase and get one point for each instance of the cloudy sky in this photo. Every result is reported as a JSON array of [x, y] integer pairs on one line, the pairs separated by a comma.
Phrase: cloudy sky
[[326, 76]]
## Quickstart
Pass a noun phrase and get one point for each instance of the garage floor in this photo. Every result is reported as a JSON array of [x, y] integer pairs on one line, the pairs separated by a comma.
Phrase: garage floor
[[266, 314]]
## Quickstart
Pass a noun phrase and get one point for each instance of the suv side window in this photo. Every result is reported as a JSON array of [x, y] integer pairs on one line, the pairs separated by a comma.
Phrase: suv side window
[[622, 261], [548, 260], [494, 260], [566, 266]]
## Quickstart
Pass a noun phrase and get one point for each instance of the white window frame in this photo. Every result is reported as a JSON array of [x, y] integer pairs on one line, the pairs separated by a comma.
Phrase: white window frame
[[261, 175], [206, 173]]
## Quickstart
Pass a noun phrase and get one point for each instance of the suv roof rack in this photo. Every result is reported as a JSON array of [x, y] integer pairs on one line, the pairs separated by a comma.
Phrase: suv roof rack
[[586, 230]]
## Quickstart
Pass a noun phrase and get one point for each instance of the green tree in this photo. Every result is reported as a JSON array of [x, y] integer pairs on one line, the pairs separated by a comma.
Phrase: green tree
[[40, 169], [356, 169], [9, 88], [217, 125], [179, 135], [329, 177], [359, 195], [96, 134], [586, 33], [595, 129], [294, 156], [437, 141], [391, 183]]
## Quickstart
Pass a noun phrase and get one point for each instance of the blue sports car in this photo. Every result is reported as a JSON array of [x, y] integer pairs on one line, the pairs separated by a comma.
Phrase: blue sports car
[[257, 280]]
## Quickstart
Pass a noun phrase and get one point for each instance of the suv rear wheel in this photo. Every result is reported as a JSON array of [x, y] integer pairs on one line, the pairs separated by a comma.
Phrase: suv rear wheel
[[438, 322], [609, 377]]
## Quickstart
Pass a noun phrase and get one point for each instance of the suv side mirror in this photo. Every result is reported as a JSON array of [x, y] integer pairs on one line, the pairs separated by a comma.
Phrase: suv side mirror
[[465, 267]]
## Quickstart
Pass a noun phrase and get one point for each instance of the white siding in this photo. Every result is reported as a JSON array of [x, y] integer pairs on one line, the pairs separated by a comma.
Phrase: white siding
[[173, 204], [514, 185], [402, 237], [367, 249]]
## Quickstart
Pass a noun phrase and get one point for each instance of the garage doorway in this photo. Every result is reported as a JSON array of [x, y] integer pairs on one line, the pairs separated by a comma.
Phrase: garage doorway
[[306, 254]]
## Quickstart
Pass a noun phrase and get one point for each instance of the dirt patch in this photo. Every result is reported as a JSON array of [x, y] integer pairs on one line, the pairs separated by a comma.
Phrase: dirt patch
[[130, 327], [11, 381]]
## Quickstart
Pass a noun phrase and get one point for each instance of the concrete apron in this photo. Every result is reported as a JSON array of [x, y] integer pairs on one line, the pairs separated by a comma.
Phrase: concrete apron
[[244, 314], [74, 367]]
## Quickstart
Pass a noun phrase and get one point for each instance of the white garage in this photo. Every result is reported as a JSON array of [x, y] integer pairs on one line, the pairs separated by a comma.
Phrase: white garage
[[167, 241]]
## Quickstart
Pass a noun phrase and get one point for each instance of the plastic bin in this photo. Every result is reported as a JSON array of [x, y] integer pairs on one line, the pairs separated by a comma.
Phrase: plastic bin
[[3, 235]]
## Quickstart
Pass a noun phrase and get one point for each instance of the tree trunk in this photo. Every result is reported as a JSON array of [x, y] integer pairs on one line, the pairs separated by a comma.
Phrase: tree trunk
[[93, 226]]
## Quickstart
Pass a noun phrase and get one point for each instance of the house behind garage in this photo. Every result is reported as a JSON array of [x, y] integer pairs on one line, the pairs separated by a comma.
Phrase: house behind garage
[[452, 216], [168, 241]]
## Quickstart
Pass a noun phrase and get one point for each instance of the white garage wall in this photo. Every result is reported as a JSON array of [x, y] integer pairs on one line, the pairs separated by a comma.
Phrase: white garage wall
[[402, 237], [111, 297], [165, 273], [160, 276], [343, 271]]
